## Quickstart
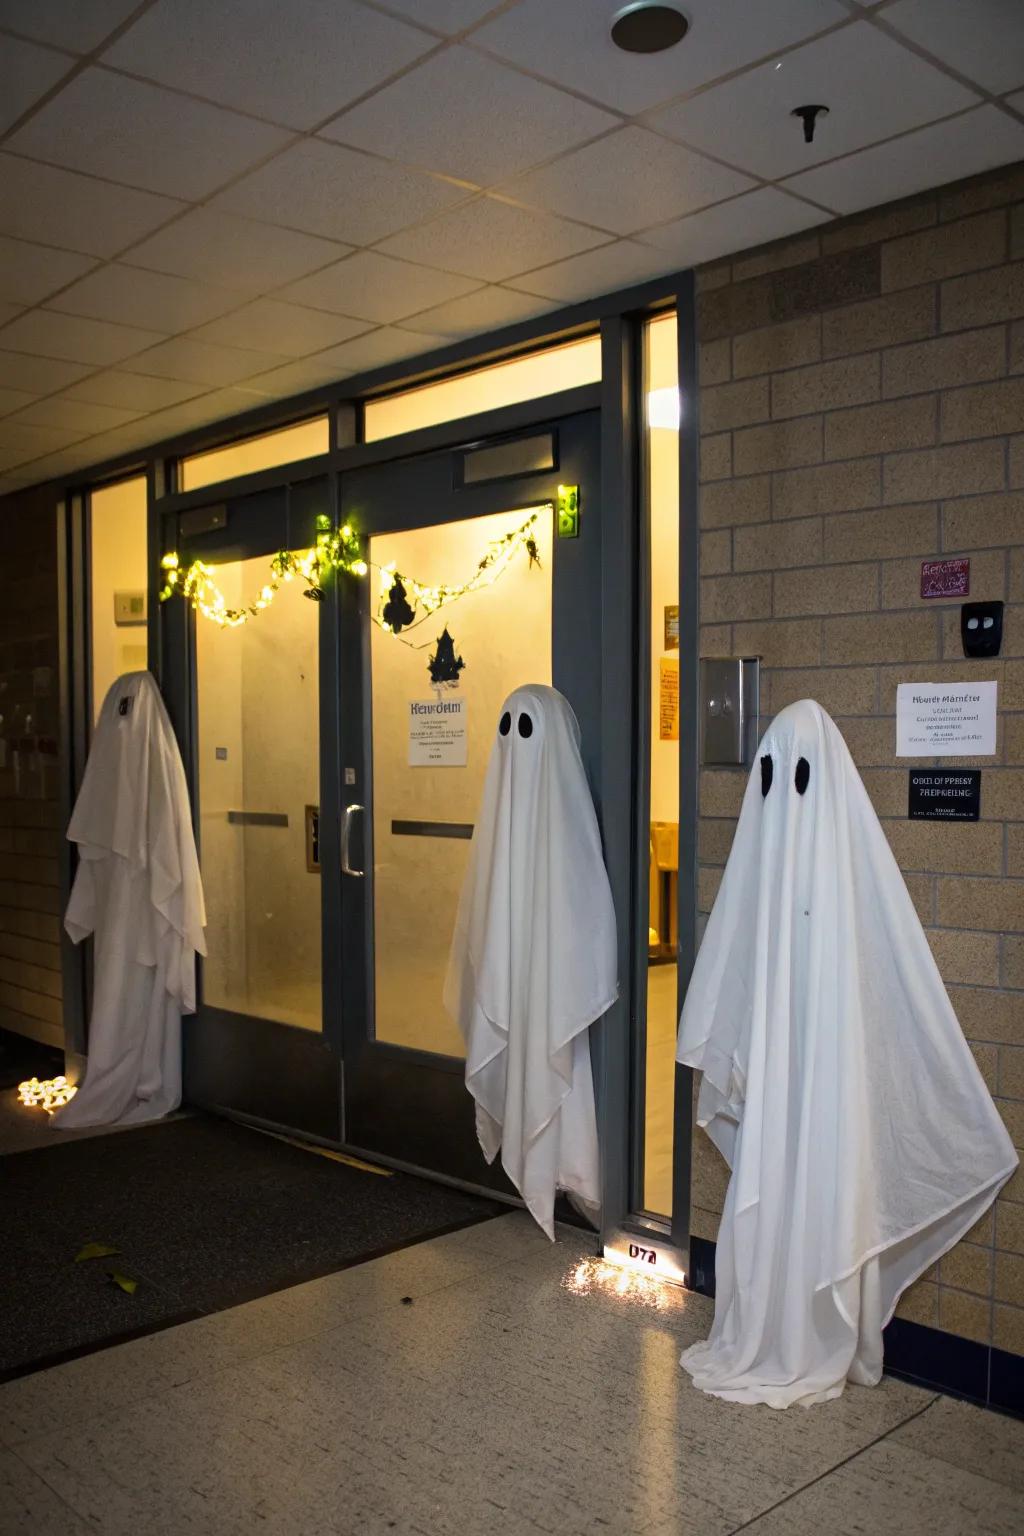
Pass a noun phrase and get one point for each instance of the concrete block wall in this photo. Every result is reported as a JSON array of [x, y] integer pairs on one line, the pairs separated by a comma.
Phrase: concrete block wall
[[861, 410]]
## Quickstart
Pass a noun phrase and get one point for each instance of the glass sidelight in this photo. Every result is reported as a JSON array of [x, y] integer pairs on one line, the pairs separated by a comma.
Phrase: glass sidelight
[[425, 795], [258, 788], [661, 396]]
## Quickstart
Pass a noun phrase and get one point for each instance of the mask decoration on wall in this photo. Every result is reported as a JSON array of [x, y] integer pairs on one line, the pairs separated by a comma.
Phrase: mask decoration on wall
[[837, 1083], [397, 613], [533, 960], [444, 666]]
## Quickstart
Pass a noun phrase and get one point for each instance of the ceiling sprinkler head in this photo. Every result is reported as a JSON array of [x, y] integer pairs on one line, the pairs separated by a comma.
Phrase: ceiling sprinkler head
[[644, 27], [808, 116]]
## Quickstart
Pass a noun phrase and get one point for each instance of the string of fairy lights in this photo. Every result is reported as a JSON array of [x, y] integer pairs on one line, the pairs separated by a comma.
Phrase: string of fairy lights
[[403, 602]]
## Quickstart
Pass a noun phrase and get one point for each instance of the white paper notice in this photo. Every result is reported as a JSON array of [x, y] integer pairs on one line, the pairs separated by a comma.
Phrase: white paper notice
[[946, 719], [437, 733]]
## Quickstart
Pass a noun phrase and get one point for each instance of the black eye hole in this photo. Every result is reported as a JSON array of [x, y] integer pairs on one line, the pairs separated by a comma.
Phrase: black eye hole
[[803, 775], [505, 724], [525, 725], [767, 769]]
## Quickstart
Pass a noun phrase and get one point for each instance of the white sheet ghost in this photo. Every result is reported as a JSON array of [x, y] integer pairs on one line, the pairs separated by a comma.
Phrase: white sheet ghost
[[533, 960], [137, 889], [837, 1083]]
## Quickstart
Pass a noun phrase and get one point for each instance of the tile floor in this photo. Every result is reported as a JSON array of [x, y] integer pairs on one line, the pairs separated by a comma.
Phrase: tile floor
[[460, 1387]]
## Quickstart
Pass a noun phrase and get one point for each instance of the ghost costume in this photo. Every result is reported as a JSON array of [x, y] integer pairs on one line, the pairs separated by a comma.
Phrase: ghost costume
[[837, 1083], [533, 958], [137, 889]]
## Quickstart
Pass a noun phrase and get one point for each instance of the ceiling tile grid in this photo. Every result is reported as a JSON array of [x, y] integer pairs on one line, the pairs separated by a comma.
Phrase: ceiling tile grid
[[209, 203]]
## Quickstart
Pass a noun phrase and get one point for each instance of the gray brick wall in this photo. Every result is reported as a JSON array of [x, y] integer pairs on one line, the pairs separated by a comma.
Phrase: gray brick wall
[[862, 409]]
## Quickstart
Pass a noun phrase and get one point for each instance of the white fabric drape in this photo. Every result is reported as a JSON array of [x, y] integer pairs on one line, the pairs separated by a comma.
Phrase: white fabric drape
[[837, 1083], [533, 960], [138, 891]]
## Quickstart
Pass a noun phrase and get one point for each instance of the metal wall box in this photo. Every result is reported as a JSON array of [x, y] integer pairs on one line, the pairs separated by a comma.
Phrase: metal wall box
[[729, 703]]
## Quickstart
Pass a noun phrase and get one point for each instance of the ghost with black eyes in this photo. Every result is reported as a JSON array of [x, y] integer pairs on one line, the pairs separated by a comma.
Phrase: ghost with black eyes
[[533, 959], [837, 1083]]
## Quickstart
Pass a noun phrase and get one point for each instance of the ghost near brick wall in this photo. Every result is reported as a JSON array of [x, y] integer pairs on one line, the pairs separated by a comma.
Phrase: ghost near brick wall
[[862, 410]]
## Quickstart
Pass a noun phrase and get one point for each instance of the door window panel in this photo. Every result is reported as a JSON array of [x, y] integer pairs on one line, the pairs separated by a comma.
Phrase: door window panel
[[117, 584], [662, 443], [502, 631], [258, 755]]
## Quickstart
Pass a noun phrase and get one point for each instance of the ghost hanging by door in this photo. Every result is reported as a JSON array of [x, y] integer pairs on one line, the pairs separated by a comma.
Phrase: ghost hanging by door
[[837, 1083], [533, 960]]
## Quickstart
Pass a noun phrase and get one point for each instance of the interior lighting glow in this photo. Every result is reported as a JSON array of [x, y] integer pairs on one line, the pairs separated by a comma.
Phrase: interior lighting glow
[[663, 408]]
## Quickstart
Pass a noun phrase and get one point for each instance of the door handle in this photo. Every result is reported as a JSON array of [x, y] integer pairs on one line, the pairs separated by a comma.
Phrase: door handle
[[346, 838]]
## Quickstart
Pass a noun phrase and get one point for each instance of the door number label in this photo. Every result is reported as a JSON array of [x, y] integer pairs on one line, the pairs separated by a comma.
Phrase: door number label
[[643, 1255]]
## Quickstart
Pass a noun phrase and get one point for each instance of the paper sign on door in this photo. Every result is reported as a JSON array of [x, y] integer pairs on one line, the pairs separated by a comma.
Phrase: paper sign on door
[[437, 733]]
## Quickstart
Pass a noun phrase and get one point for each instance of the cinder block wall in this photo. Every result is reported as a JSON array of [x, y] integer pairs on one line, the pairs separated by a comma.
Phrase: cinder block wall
[[862, 409]]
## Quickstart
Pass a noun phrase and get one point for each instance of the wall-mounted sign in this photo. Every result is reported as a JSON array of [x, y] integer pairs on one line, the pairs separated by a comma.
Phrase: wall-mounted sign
[[437, 733], [129, 608], [944, 794], [668, 701], [946, 719], [671, 626], [945, 578]]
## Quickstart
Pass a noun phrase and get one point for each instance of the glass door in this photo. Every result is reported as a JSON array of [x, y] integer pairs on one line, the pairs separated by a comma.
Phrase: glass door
[[246, 700], [421, 690]]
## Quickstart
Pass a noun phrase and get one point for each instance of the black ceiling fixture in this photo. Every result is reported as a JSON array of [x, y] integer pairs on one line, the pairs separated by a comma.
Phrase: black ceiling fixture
[[648, 28], [809, 117]]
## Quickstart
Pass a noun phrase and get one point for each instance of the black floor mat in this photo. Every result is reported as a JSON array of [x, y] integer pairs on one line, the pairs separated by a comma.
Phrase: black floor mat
[[204, 1214]]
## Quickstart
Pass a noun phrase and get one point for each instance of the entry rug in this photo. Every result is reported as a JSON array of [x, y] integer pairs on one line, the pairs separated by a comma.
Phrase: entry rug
[[202, 1214]]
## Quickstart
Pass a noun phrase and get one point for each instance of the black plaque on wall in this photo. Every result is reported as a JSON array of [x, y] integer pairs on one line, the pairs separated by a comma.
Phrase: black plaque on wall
[[944, 794]]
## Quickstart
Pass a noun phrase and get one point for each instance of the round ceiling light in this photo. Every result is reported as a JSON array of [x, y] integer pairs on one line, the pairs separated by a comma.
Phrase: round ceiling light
[[648, 28]]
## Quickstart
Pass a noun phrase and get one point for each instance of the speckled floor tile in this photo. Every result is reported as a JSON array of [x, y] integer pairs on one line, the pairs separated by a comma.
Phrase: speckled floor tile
[[980, 1441], [69, 1393], [28, 1505], [892, 1488]]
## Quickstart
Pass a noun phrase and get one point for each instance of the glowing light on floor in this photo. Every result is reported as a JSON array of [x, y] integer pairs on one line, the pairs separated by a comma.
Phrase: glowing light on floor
[[610, 1278], [49, 1094]]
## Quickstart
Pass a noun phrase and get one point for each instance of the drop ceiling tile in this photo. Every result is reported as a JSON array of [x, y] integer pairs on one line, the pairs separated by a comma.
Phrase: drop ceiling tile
[[288, 329], [1016, 101], [377, 288], [378, 348], [27, 72], [570, 42], [296, 378], [232, 252], [482, 311], [29, 272], [327, 190], [131, 132], [8, 312], [22, 444], [61, 208], [975, 141], [198, 362], [67, 23], [75, 415], [134, 297], [983, 39], [601, 271], [13, 400], [127, 391], [872, 86], [448, 16], [73, 338], [294, 64], [215, 406], [627, 181], [464, 115], [491, 240], [749, 220], [38, 375]]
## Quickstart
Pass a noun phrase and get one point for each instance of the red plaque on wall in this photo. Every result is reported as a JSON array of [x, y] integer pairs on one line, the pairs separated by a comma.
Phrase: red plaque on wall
[[945, 578]]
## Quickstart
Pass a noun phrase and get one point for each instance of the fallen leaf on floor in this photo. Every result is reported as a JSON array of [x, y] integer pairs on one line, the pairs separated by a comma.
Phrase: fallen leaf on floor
[[124, 1281], [95, 1251]]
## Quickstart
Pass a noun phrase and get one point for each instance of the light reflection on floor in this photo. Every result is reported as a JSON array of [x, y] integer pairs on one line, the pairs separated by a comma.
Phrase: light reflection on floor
[[593, 1275]]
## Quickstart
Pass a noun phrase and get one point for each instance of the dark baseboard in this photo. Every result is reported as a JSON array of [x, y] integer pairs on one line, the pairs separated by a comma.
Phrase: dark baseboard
[[926, 1356]]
